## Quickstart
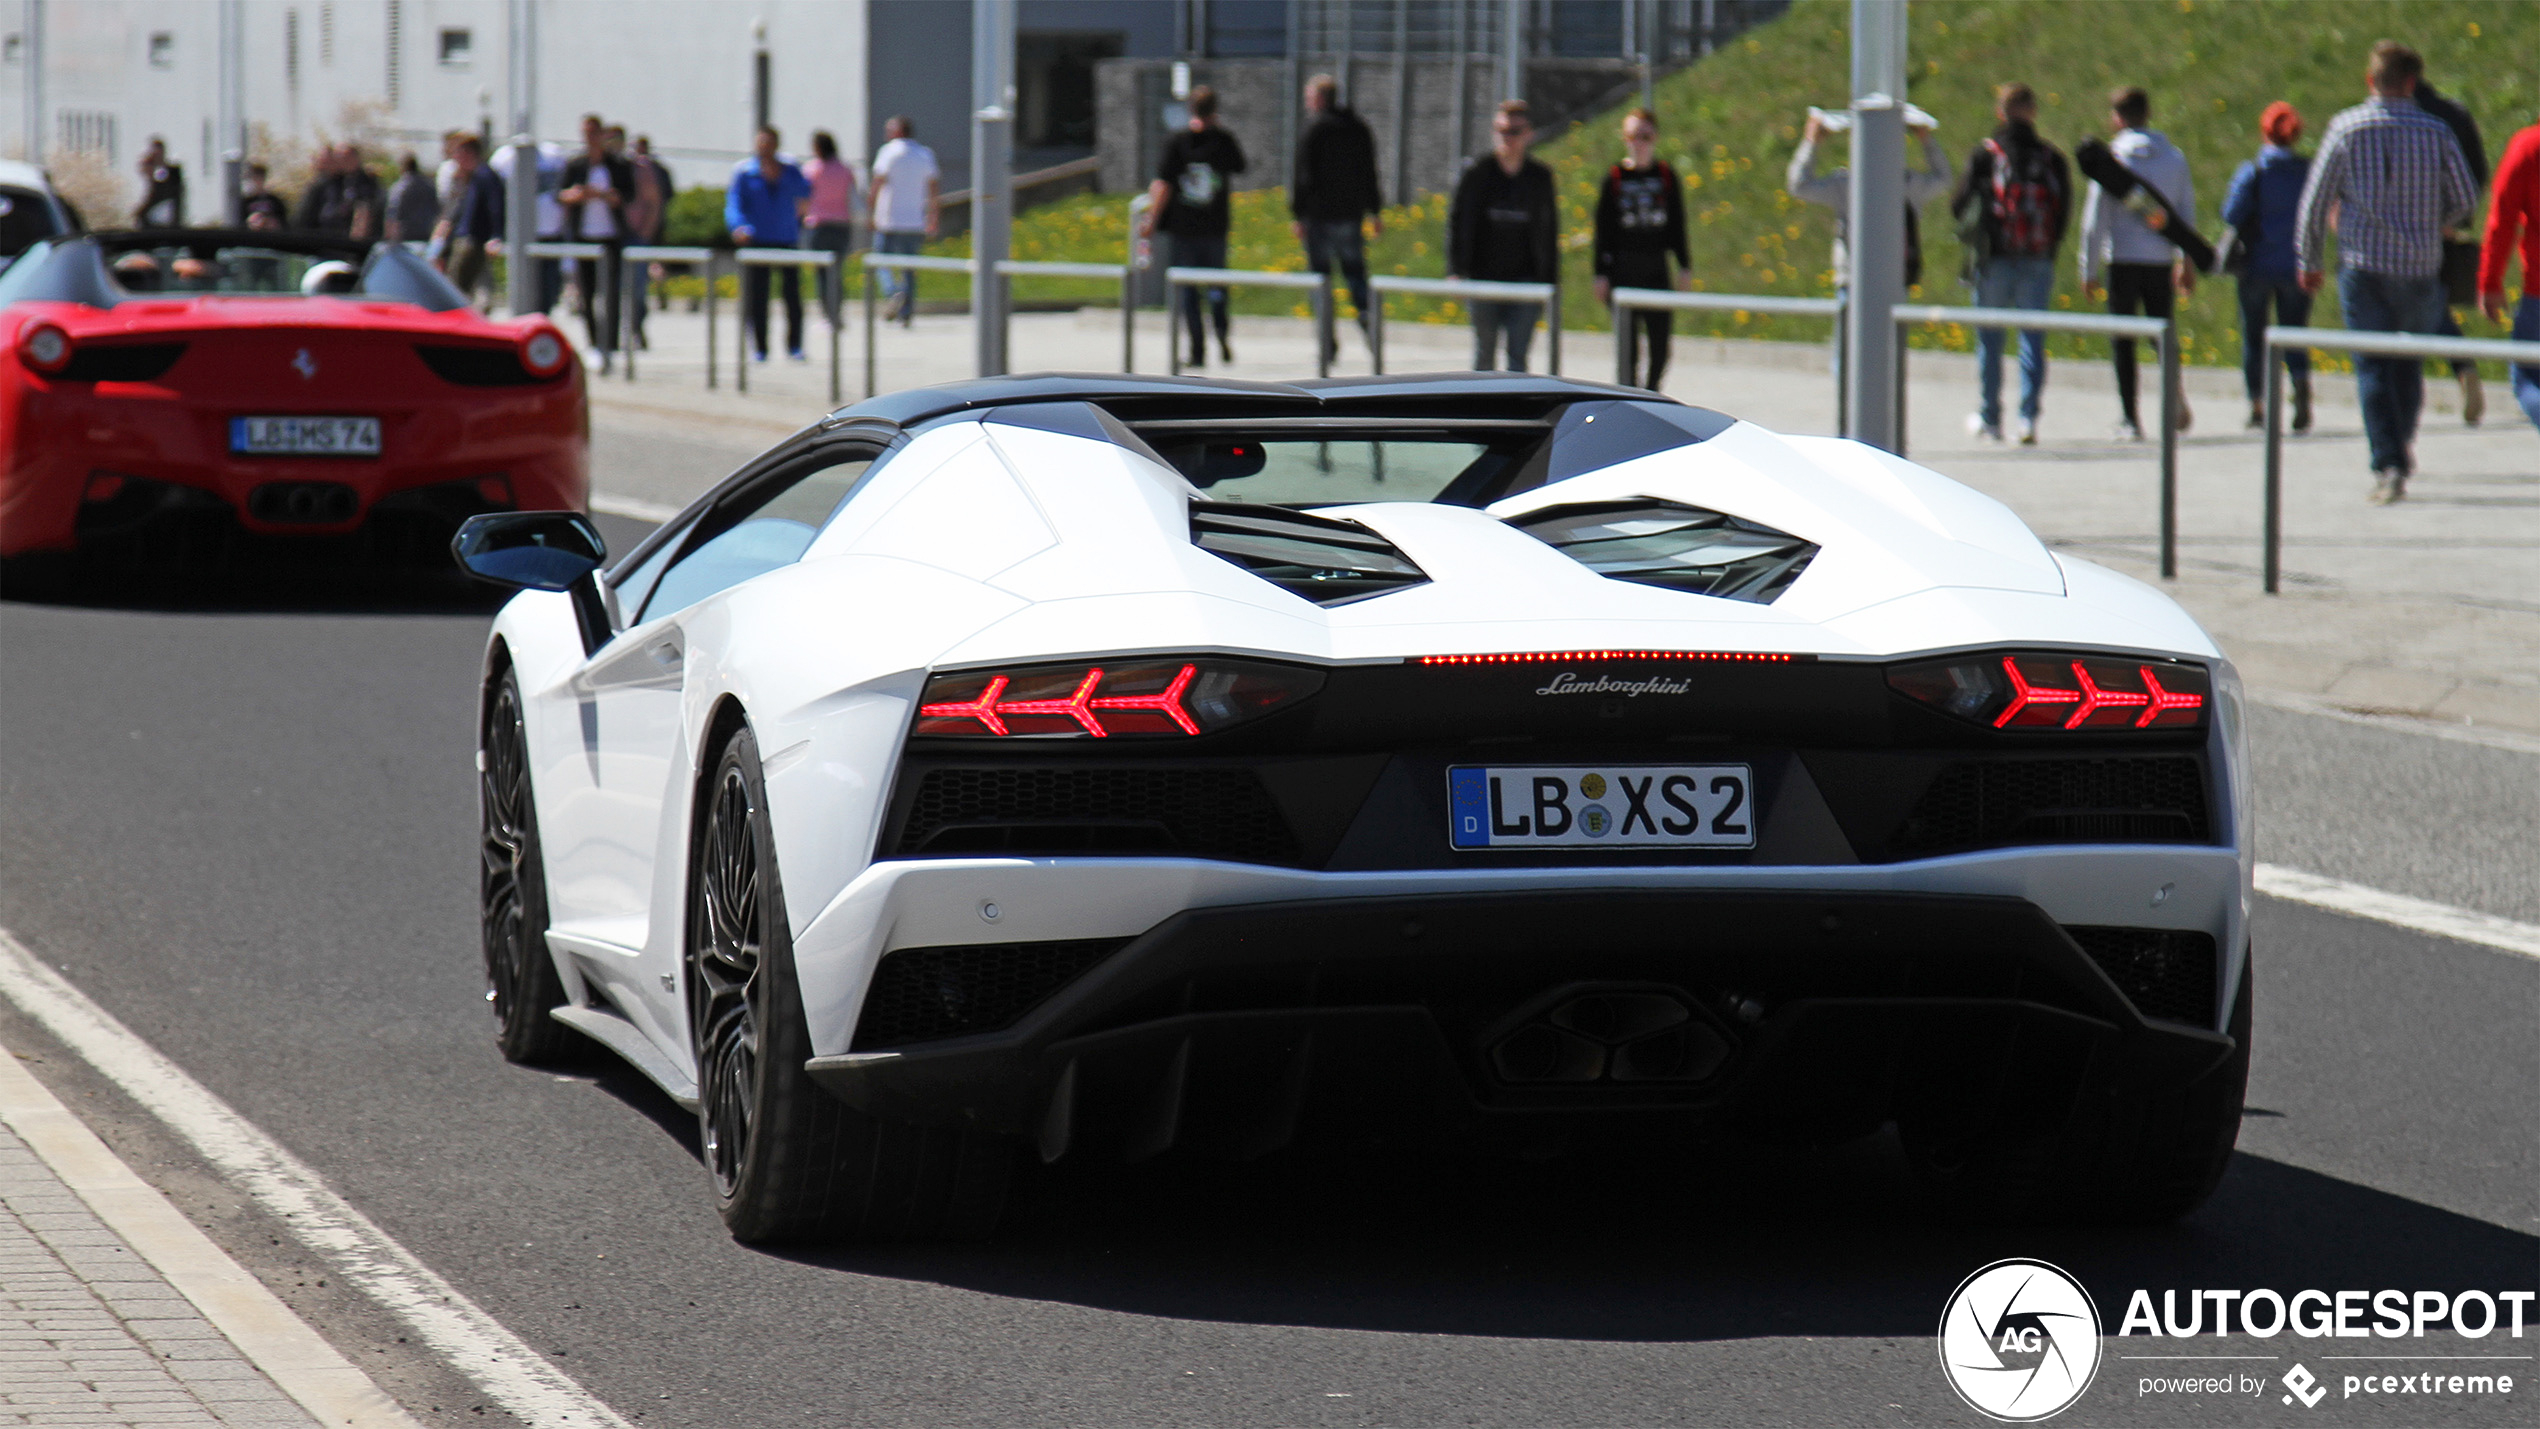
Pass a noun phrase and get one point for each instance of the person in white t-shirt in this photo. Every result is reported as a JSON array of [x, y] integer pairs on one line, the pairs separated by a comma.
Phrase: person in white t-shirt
[[907, 208]]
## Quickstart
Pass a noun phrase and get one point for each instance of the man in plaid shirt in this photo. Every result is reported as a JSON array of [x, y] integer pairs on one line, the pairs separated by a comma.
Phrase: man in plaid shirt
[[2393, 179]]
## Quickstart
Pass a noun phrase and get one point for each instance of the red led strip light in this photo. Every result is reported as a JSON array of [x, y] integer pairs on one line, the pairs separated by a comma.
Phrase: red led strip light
[[1570, 656], [2090, 698], [1079, 706]]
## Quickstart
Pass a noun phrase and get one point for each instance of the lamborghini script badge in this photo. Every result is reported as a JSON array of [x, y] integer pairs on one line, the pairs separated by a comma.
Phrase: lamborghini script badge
[[304, 364], [1567, 683]]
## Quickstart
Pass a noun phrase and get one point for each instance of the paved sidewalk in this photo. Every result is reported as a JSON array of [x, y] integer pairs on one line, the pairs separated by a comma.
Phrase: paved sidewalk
[[2430, 608], [91, 1335]]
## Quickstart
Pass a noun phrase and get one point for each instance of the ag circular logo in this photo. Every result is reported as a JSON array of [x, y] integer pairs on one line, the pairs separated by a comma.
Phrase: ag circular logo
[[2019, 1341]]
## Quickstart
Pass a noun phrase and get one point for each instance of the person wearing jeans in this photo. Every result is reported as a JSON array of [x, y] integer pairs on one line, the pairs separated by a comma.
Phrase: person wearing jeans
[[2265, 195], [2012, 283], [2513, 222], [1191, 200], [831, 215], [1503, 228], [907, 204], [1334, 196], [2397, 179]]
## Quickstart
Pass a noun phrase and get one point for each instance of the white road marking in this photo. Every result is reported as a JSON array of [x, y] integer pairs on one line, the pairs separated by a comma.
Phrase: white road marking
[[609, 503], [452, 1326], [2415, 914], [296, 1358]]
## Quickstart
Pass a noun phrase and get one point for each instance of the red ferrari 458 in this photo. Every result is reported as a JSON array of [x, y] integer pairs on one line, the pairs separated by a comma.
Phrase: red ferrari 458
[[166, 392]]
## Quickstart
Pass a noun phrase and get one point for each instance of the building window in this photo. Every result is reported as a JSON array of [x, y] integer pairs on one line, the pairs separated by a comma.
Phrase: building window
[[326, 32], [86, 131], [13, 48], [162, 50], [1054, 86], [396, 52], [458, 48], [291, 49]]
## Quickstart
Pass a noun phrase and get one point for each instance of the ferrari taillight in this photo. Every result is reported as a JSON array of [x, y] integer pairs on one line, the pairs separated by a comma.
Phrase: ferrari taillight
[[2066, 692], [45, 348], [1108, 699], [543, 351]]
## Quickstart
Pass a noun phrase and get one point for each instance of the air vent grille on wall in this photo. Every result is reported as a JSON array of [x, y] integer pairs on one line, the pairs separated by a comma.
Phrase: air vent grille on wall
[[1328, 562], [1673, 546]]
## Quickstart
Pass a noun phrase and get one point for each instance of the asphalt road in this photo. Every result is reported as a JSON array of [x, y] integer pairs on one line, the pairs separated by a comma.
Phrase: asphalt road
[[246, 827]]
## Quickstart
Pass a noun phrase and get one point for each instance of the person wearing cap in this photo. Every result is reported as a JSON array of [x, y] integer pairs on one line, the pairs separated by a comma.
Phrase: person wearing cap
[[2265, 194]]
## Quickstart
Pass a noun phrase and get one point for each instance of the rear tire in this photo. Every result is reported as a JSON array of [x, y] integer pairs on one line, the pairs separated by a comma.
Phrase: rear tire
[[790, 1162], [512, 892], [2139, 1158]]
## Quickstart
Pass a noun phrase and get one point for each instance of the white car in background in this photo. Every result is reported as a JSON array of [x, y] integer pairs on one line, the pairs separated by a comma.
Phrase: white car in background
[[29, 210], [1119, 765]]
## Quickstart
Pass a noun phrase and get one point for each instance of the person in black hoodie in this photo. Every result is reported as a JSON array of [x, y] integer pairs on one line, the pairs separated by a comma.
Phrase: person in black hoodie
[[1502, 228], [1189, 201], [1640, 219], [2474, 152], [1334, 195]]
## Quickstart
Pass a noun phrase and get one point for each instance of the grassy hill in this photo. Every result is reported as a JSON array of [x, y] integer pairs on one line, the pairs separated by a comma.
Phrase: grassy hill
[[1731, 122]]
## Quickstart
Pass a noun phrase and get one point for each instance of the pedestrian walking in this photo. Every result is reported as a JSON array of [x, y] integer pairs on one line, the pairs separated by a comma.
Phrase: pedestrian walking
[[2513, 223], [414, 205], [2460, 252], [831, 215], [1334, 196], [647, 221], [2396, 179], [597, 184], [1640, 219], [1503, 227], [260, 207], [907, 207], [764, 209], [2012, 209], [474, 223], [1933, 180], [343, 198], [2265, 194], [2143, 269], [1191, 201], [163, 185]]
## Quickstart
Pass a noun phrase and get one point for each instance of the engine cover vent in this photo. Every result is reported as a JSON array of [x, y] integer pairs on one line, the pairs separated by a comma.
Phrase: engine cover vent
[[1673, 546], [1327, 561]]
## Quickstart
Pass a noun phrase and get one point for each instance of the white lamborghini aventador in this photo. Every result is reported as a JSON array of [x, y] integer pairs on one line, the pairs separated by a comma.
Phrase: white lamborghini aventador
[[1108, 765]]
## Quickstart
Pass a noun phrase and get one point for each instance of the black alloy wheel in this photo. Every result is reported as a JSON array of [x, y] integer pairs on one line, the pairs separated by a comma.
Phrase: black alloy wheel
[[724, 979], [791, 1162], [520, 973]]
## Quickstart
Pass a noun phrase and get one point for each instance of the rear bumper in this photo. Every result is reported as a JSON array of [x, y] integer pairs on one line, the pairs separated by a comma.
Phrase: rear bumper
[[1243, 1029]]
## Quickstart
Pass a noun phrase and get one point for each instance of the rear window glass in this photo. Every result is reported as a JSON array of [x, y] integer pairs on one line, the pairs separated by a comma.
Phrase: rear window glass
[[1290, 472]]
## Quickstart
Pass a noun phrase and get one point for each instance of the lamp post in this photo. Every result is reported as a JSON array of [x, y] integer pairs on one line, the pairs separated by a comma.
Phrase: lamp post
[[1877, 227], [520, 228], [991, 177]]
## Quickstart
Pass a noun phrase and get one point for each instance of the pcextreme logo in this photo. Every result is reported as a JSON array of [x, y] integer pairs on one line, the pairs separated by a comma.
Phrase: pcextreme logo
[[2019, 1341]]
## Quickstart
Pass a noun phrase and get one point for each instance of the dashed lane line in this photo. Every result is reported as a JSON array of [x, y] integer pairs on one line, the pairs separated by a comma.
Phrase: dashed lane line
[[452, 1326], [2415, 914]]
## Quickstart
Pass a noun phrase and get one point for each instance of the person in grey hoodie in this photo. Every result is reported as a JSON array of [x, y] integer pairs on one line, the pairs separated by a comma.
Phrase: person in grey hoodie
[[2143, 270]]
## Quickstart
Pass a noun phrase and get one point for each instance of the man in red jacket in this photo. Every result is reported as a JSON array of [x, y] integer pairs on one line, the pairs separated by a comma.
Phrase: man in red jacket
[[2513, 220]]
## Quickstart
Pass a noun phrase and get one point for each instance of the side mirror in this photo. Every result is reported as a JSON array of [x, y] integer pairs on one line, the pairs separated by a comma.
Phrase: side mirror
[[536, 550]]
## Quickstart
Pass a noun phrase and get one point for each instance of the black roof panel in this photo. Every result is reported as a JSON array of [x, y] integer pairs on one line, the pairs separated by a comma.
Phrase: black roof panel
[[1138, 396]]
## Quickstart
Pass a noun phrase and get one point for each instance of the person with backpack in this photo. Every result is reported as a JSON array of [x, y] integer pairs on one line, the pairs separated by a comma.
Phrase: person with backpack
[[2012, 208], [2145, 272], [2265, 193], [1640, 219]]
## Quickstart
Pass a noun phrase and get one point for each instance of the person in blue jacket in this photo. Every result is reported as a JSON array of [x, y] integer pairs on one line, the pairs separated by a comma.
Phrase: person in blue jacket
[[764, 209], [2265, 194]]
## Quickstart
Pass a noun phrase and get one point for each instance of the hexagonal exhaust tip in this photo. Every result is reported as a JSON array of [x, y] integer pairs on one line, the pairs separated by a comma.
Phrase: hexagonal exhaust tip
[[1611, 1035]]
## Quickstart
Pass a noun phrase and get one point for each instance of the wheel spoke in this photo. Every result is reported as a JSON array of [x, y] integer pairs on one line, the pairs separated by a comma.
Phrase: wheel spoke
[[725, 945]]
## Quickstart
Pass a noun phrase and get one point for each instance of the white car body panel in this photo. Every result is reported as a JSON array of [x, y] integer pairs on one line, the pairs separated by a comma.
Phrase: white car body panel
[[975, 544]]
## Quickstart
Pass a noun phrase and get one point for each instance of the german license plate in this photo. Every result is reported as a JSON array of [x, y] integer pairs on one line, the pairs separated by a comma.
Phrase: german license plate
[[304, 436], [1601, 806]]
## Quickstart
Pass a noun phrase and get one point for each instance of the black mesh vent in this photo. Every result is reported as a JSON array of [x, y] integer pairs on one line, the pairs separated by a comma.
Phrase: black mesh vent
[[1200, 813], [1673, 546], [122, 362], [2165, 973], [1982, 804], [475, 366], [919, 994], [1327, 561]]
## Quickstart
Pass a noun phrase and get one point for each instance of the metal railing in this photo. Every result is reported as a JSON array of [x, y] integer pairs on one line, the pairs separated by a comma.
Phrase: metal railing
[[635, 258], [2368, 344], [1627, 299], [1468, 289], [907, 263], [2163, 331], [1319, 287], [1125, 274], [797, 259]]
